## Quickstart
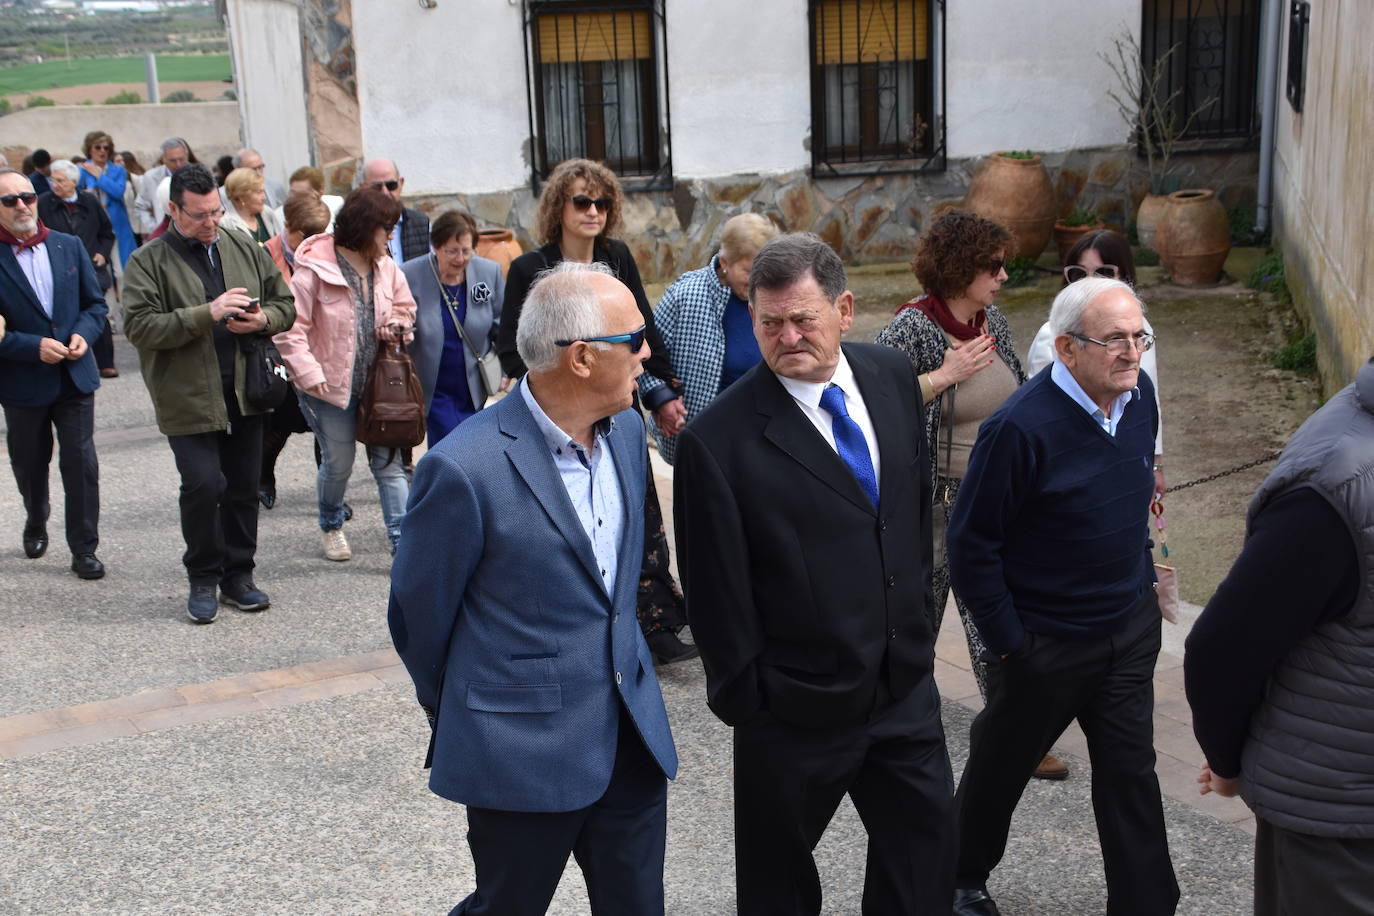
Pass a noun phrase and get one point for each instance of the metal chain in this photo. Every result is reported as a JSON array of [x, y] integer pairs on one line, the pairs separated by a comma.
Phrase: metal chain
[[1220, 474]]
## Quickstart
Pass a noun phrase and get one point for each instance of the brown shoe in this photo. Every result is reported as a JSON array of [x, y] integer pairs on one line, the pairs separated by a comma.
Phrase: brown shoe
[[109, 372], [1051, 768]]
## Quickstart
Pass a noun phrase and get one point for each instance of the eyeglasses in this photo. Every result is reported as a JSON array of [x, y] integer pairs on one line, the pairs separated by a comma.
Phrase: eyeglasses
[[391, 185], [1117, 346], [582, 203], [995, 267], [1073, 273], [104, 146], [202, 217], [12, 200], [635, 339]]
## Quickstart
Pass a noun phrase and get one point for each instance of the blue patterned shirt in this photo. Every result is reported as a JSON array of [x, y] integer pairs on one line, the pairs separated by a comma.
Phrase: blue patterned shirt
[[591, 482]]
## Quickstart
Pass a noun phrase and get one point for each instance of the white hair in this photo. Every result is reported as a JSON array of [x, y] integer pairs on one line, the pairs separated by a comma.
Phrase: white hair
[[561, 305], [66, 167], [238, 157], [1066, 314]]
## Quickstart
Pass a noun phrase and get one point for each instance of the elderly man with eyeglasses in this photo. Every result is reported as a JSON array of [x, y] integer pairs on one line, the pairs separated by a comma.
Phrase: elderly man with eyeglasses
[[247, 158], [410, 238], [193, 299], [1047, 545]]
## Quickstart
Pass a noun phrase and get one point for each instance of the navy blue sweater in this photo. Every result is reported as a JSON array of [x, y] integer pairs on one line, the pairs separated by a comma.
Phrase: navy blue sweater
[[1048, 532]]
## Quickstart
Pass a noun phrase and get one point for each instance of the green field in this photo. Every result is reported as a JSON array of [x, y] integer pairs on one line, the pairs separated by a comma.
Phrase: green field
[[57, 74]]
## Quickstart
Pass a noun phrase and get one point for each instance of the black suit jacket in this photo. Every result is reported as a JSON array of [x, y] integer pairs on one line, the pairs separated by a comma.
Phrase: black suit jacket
[[414, 234], [88, 223], [805, 601]]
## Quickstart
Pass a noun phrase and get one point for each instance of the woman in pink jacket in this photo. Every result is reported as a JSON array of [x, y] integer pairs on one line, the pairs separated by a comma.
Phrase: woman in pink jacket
[[349, 295]]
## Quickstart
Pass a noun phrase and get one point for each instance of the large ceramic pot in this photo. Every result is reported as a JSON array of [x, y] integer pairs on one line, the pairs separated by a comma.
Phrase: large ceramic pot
[[1193, 237], [1147, 218], [1017, 194], [1065, 237], [498, 245]]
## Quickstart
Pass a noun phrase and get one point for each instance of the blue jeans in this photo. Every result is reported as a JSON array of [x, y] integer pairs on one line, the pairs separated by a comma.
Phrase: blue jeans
[[334, 428]]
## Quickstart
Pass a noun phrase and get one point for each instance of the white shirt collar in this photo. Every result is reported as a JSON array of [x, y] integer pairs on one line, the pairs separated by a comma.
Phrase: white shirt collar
[[809, 393]]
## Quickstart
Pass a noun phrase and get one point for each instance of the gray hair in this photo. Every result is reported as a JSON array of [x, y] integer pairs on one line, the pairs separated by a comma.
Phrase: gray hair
[[172, 143], [238, 157], [561, 306], [66, 167], [785, 259], [1066, 314]]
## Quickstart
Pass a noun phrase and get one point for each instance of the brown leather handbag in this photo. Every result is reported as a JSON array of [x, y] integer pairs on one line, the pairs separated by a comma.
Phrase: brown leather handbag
[[391, 412]]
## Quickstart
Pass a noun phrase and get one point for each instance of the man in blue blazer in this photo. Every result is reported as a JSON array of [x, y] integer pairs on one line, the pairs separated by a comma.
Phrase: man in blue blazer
[[53, 309], [513, 608]]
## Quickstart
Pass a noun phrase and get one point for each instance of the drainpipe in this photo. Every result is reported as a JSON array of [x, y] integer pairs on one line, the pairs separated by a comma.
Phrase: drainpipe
[[1269, 81]]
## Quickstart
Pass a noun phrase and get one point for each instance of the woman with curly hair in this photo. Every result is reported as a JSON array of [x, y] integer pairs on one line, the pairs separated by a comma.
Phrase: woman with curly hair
[[961, 347], [579, 212]]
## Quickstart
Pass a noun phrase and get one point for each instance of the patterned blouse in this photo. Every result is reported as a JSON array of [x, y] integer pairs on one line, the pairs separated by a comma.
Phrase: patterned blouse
[[924, 342], [366, 314]]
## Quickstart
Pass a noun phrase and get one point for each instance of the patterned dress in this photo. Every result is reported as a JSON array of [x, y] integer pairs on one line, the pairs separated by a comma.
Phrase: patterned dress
[[924, 342]]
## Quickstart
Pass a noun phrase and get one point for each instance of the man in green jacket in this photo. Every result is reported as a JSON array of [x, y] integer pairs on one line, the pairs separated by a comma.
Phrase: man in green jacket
[[190, 297]]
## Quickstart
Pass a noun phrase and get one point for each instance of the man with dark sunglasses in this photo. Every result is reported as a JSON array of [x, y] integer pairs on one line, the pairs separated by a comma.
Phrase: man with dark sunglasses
[[53, 310], [410, 238]]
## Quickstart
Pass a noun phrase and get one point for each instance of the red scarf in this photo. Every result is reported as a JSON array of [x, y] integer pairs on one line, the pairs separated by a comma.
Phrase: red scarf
[[936, 310], [38, 238]]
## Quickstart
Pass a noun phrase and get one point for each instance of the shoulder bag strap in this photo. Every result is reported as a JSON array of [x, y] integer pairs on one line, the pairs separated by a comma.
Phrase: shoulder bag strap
[[452, 310]]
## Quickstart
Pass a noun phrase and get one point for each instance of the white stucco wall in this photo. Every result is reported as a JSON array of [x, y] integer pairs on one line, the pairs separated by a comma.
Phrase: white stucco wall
[[739, 80], [1323, 195], [442, 92], [1026, 75], [212, 128], [265, 42]]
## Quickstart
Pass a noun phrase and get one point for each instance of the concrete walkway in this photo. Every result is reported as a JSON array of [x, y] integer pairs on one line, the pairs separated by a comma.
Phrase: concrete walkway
[[270, 763]]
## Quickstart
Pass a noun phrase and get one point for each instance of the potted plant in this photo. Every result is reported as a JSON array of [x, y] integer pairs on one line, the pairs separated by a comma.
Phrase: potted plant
[[1070, 229], [1155, 123], [1013, 189]]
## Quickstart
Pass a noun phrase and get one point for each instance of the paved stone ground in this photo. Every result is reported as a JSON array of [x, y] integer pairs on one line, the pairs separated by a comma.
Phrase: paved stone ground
[[270, 763]]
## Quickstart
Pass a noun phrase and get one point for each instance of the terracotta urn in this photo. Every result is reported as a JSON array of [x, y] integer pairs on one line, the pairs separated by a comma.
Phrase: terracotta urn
[[498, 245], [1147, 218], [1065, 237], [1017, 194], [1193, 237]]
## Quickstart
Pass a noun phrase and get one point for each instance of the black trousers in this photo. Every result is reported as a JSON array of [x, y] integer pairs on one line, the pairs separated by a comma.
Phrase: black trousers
[[1297, 873], [29, 438], [618, 842], [789, 780], [103, 348], [219, 500], [1033, 694]]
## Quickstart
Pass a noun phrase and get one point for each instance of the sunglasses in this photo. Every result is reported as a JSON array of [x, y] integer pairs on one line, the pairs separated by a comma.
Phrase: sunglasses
[[12, 200], [389, 185], [635, 339], [1073, 273], [104, 146], [582, 203], [995, 267]]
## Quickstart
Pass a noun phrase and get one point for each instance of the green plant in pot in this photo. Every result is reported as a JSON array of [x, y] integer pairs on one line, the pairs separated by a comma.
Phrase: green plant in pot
[[1069, 229], [1156, 124]]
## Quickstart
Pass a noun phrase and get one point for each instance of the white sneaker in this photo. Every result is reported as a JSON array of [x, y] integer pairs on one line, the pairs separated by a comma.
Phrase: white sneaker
[[336, 545]]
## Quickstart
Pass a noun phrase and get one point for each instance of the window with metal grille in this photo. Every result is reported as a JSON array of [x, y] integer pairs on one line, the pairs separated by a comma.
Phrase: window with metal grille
[[873, 86], [1214, 66], [598, 86]]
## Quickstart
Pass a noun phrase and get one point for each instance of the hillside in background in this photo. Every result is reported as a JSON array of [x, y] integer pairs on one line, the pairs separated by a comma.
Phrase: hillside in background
[[28, 34]]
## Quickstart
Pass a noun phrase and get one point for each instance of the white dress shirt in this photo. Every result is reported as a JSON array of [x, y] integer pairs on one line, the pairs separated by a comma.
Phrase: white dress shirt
[[38, 269], [808, 398]]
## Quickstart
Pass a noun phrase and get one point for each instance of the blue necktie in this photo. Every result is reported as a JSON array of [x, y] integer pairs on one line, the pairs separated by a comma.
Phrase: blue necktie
[[850, 441]]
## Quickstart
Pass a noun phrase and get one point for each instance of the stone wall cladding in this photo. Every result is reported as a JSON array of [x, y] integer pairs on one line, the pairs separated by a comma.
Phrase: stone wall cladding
[[866, 219]]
